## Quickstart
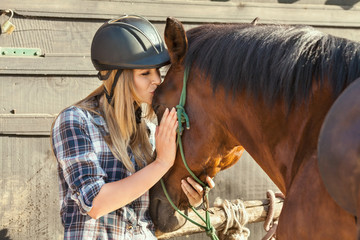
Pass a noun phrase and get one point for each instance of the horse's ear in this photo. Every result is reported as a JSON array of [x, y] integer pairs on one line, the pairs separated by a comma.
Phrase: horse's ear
[[175, 39]]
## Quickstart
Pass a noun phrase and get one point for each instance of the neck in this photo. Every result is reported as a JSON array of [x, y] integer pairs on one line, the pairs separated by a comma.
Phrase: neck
[[282, 142]]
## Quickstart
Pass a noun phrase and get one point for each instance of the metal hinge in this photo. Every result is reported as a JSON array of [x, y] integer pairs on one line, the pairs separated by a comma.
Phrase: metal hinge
[[19, 52]]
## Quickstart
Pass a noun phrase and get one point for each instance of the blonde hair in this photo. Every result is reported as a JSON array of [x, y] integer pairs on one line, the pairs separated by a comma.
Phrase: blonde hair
[[120, 118]]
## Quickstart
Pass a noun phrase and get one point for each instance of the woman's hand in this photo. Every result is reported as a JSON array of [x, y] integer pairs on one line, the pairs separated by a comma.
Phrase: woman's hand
[[165, 138], [194, 191]]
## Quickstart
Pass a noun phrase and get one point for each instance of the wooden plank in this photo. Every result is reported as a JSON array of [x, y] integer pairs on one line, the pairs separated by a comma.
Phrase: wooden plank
[[193, 11], [348, 33], [72, 36], [26, 124], [58, 64], [43, 94], [346, 4], [64, 64], [80, 64], [75, 60], [255, 212]]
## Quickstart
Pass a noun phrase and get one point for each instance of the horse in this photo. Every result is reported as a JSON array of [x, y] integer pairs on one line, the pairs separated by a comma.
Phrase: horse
[[267, 89]]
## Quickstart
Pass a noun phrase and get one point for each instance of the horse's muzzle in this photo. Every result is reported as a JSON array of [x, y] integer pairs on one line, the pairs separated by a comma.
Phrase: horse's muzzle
[[165, 218]]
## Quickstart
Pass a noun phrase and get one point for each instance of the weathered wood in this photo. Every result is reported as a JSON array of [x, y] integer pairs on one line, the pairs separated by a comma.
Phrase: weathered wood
[[26, 124], [43, 94], [256, 210], [343, 3], [67, 64], [29, 202], [193, 11], [58, 37], [64, 64]]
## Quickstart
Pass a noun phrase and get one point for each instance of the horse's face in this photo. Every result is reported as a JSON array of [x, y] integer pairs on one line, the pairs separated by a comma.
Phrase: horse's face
[[204, 156]]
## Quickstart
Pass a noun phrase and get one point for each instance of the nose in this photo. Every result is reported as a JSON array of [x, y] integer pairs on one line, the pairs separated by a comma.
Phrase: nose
[[156, 79]]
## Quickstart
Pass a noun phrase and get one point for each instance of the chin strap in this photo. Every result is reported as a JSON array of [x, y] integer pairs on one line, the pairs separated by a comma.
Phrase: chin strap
[[138, 113], [105, 77]]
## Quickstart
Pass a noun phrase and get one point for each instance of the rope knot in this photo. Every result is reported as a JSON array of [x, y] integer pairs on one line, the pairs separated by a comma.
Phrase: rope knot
[[206, 198], [182, 118], [210, 232]]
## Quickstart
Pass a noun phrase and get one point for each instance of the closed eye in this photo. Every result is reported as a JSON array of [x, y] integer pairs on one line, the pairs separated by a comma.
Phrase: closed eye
[[145, 73]]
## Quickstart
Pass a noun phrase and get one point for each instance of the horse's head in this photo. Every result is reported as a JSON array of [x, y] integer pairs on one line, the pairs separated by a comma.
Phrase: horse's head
[[207, 146]]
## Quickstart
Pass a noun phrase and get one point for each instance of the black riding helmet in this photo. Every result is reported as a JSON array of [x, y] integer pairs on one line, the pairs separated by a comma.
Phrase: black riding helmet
[[129, 42]]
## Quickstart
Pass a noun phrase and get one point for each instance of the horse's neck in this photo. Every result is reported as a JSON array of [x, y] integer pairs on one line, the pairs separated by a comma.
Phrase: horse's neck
[[279, 142]]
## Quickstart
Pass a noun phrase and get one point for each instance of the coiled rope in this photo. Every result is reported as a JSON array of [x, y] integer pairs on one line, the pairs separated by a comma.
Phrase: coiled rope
[[236, 219]]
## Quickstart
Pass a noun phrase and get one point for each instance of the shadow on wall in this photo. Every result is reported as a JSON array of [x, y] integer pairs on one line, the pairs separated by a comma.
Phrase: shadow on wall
[[287, 1], [3, 234], [345, 4]]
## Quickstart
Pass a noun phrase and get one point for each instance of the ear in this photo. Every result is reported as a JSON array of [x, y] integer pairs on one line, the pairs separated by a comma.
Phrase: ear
[[175, 39]]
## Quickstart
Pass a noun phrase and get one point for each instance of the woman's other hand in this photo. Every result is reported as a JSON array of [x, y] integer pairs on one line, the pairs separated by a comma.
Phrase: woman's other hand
[[165, 138], [194, 191]]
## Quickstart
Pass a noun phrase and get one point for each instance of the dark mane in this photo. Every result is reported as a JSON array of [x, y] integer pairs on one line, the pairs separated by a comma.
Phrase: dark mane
[[272, 61]]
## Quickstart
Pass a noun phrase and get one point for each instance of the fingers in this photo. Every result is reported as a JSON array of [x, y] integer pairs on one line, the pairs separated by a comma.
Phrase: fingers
[[210, 182], [168, 123], [164, 117], [190, 192], [191, 185], [195, 185], [170, 116], [194, 191], [173, 124]]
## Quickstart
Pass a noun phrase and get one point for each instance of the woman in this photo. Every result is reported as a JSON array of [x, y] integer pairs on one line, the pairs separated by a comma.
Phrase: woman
[[105, 160]]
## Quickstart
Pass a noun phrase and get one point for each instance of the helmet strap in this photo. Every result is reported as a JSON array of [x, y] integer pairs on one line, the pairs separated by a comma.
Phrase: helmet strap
[[138, 113], [105, 77]]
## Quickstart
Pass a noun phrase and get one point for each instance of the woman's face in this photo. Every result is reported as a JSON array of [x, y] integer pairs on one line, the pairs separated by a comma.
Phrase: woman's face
[[146, 81]]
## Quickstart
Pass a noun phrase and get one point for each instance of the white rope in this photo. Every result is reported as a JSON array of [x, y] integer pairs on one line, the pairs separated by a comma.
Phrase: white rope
[[236, 219]]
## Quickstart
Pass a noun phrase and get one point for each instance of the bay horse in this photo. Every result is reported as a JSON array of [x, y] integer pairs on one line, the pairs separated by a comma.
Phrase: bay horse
[[266, 88]]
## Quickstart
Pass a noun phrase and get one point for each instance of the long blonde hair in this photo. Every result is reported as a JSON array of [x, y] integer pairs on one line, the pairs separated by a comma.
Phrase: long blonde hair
[[120, 118]]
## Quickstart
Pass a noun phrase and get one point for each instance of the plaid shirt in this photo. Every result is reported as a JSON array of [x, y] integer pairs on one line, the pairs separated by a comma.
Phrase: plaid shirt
[[85, 164]]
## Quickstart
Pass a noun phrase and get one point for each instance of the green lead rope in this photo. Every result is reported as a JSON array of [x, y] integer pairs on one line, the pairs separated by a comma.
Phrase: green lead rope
[[209, 229], [183, 118]]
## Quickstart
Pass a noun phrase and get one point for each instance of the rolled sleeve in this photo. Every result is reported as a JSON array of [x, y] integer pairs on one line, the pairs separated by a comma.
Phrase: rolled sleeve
[[86, 194], [75, 154]]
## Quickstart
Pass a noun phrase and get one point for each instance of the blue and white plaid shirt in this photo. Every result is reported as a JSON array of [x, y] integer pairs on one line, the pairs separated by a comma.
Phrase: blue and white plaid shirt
[[85, 164]]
